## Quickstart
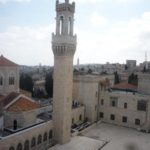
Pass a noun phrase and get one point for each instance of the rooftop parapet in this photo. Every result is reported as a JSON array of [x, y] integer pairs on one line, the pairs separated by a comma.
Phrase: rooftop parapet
[[65, 6]]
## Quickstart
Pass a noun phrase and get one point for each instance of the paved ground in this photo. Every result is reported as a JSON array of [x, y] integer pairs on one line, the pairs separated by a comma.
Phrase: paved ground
[[80, 143], [118, 138]]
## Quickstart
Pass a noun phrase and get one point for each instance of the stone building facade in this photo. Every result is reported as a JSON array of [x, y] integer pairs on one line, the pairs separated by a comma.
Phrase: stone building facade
[[9, 76], [86, 91], [78, 115], [144, 83], [124, 108], [38, 137]]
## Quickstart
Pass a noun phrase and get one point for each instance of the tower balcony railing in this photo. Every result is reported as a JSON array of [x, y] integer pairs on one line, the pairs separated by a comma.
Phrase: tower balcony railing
[[64, 38]]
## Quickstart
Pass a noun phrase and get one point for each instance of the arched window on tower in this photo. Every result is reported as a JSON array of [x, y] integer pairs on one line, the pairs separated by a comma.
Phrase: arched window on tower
[[69, 26], [61, 24]]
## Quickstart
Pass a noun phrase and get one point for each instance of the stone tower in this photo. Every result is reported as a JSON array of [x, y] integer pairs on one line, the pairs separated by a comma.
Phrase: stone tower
[[63, 46]]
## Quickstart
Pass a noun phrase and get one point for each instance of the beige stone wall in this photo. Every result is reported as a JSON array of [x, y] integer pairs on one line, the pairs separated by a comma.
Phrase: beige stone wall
[[6, 72], [28, 134], [85, 90], [62, 104], [144, 83], [24, 119], [76, 112], [119, 111]]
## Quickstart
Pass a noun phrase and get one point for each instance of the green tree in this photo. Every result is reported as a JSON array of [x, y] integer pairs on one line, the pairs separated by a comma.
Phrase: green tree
[[49, 84], [133, 79], [26, 82], [117, 79], [144, 69]]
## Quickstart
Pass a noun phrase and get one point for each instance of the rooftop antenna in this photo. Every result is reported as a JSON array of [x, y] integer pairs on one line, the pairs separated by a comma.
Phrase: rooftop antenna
[[146, 64]]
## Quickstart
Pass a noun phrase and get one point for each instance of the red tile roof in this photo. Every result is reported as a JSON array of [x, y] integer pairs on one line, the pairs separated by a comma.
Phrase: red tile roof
[[23, 104], [124, 86], [9, 98], [5, 62]]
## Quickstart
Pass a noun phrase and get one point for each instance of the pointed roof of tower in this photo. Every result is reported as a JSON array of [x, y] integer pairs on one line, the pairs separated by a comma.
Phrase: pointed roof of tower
[[5, 62]]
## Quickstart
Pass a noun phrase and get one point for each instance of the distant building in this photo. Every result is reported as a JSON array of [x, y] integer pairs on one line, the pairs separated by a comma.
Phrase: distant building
[[131, 65]]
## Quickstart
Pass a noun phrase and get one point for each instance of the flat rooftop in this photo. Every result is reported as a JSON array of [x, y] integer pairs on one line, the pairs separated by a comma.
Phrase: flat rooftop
[[108, 137]]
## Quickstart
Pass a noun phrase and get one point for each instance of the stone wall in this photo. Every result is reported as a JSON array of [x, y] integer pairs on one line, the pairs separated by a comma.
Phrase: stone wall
[[76, 112], [85, 90], [6, 72], [119, 111], [143, 83], [27, 135], [23, 119]]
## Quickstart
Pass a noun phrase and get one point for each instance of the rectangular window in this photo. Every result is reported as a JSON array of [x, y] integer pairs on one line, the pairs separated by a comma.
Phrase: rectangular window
[[124, 119], [114, 101], [11, 80], [95, 107], [1, 80], [125, 105], [96, 94], [102, 102], [80, 117], [137, 121], [141, 105], [72, 120], [112, 117], [101, 115]]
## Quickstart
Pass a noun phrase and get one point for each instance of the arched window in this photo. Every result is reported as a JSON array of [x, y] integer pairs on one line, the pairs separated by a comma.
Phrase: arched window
[[39, 139], [61, 24], [1, 80], [45, 136], [69, 26], [11, 148], [19, 146], [33, 142], [11, 80], [50, 134], [15, 125], [26, 145]]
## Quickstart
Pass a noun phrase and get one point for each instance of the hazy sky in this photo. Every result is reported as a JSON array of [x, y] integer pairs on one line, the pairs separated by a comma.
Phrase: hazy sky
[[107, 30]]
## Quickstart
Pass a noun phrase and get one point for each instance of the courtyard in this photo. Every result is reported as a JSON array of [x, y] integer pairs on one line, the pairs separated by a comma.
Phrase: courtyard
[[108, 137]]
